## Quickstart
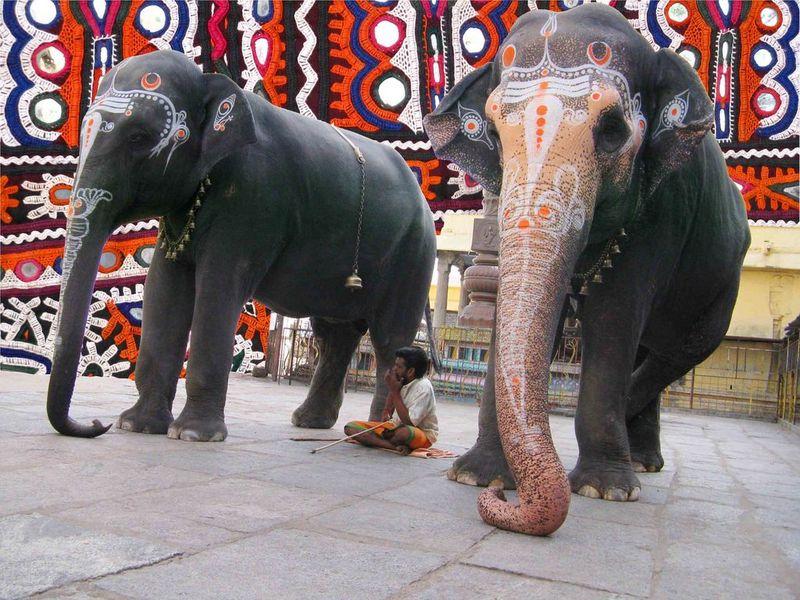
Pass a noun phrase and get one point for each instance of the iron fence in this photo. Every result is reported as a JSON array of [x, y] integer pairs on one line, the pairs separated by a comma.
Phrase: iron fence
[[747, 379], [789, 379]]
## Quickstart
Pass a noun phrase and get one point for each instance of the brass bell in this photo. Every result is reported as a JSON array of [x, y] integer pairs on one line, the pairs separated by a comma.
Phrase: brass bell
[[584, 289], [622, 235], [597, 278], [615, 248], [607, 264], [353, 282]]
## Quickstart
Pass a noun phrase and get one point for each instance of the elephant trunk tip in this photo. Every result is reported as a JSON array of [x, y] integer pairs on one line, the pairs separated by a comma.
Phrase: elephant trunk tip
[[542, 518], [72, 428]]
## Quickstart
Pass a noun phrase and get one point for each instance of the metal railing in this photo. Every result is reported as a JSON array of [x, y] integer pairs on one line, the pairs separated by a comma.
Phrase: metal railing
[[789, 379], [742, 378]]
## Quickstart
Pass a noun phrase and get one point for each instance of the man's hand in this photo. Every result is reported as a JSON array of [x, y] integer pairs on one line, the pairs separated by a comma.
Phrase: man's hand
[[386, 414], [392, 382]]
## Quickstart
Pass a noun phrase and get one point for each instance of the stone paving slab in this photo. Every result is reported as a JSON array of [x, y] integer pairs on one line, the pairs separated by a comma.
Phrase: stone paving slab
[[598, 555], [38, 553], [141, 516], [285, 563]]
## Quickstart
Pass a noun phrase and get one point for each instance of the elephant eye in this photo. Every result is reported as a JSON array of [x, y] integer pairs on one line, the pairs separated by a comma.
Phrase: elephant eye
[[137, 139], [611, 131]]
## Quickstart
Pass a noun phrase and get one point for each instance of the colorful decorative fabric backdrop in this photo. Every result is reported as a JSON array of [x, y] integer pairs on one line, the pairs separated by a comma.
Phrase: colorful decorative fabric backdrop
[[375, 67]]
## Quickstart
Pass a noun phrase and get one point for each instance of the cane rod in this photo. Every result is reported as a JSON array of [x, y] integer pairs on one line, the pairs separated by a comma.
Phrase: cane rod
[[349, 437]]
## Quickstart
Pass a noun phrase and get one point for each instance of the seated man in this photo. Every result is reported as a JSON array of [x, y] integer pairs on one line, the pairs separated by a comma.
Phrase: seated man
[[411, 397]]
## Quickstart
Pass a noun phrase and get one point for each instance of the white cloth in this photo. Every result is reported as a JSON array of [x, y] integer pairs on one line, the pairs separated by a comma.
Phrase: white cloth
[[419, 400]]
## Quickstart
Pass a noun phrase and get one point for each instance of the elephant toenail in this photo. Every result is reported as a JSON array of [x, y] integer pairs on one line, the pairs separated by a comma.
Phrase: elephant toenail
[[615, 495], [638, 467], [589, 492], [634, 495], [467, 478], [187, 435], [173, 433]]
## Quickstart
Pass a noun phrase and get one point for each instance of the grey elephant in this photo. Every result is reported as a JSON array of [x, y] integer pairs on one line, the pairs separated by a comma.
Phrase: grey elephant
[[601, 152], [256, 201]]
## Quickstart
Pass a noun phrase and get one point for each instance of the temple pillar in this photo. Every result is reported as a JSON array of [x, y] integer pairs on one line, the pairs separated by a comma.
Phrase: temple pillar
[[481, 279], [442, 284]]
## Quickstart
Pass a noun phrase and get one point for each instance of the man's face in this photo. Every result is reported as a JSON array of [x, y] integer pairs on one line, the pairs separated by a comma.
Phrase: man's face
[[402, 372]]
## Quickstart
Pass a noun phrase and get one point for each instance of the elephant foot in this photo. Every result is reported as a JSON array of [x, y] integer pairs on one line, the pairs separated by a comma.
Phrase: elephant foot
[[195, 429], [312, 418], [139, 420], [646, 461], [617, 483], [482, 466]]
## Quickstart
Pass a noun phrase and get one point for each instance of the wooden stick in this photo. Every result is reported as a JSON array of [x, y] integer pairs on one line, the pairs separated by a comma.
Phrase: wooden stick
[[349, 437]]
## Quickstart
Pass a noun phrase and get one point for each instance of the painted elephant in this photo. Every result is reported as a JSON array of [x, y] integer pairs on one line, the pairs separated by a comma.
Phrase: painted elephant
[[601, 152], [256, 201]]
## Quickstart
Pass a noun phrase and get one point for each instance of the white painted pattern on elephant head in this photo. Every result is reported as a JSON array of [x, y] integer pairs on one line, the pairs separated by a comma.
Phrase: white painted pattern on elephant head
[[92, 125], [473, 126], [673, 114], [174, 131], [547, 77], [224, 112]]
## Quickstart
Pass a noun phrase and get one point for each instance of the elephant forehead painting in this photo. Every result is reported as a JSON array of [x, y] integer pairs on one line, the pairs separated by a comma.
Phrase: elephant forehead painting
[[173, 129]]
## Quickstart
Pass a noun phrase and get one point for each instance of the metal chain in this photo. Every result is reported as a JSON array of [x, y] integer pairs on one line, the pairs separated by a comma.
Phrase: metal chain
[[360, 212], [597, 265], [362, 162]]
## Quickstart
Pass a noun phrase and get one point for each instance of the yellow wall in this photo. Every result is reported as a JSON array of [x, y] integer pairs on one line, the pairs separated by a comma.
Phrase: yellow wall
[[769, 293], [453, 294]]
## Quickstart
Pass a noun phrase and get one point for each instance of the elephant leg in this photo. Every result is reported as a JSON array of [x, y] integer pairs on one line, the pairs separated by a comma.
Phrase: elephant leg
[[387, 336], [644, 437], [610, 341], [485, 462], [654, 372], [384, 358], [167, 317], [219, 299], [643, 410], [336, 343]]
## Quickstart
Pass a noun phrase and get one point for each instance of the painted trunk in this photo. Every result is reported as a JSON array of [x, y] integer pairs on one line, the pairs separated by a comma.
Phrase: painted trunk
[[85, 239], [535, 267]]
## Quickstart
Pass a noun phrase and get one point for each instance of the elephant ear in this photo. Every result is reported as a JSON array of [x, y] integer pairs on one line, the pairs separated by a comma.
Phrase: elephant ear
[[228, 123], [682, 115], [459, 132]]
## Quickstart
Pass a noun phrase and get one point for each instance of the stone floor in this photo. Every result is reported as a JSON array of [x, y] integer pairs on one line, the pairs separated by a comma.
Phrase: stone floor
[[138, 516]]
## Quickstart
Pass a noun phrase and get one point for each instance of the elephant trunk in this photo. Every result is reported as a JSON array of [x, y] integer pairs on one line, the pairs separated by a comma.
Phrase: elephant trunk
[[537, 257], [85, 240]]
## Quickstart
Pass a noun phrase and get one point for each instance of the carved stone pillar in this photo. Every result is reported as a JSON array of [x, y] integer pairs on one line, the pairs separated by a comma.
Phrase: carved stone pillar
[[481, 279], [442, 285], [463, 299]]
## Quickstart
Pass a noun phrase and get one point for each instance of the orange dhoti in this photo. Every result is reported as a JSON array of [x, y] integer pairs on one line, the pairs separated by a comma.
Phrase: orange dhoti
[[416, 437]]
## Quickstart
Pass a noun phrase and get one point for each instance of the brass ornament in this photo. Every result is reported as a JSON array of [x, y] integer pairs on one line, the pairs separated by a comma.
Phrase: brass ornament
[[174, 247], [605, 261], [353, 282]]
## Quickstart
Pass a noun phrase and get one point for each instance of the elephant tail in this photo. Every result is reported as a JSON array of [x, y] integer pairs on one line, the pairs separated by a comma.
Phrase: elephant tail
[[437, 363]]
